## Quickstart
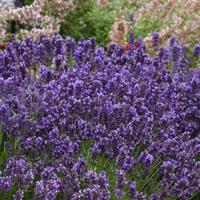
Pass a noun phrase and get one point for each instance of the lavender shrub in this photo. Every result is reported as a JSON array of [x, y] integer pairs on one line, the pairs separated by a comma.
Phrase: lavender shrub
[[80, 122]]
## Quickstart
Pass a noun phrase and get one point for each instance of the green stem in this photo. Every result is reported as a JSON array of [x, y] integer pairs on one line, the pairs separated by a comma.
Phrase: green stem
[[151, 177]]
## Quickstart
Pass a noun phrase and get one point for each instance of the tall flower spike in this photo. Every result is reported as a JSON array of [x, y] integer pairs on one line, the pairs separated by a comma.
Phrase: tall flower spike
[[155, 40]]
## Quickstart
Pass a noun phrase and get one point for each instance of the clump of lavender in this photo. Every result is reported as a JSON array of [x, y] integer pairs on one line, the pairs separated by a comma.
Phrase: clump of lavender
[[80, 122]]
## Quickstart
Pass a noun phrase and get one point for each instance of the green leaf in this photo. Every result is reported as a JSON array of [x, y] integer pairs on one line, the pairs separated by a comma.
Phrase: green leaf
[[28, 2]]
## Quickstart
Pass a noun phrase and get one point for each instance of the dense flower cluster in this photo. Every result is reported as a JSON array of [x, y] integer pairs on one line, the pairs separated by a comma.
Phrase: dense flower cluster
[[66, 105]]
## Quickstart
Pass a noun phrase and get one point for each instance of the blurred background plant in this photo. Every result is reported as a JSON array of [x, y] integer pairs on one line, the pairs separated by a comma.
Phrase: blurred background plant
[[77, 18], [177, 18], [36, 18], [106, 20], [91, 18]]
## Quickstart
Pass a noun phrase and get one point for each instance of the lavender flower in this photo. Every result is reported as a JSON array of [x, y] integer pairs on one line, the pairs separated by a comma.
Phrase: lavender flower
[[5, 183], [196, 52], [155, 40], [80, 122]]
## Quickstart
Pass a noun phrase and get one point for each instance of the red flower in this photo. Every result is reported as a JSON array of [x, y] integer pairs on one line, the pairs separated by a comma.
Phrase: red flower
[[2, 46], [127, 46]]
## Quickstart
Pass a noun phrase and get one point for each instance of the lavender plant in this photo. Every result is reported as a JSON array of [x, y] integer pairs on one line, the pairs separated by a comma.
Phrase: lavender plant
[[80, 122]]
